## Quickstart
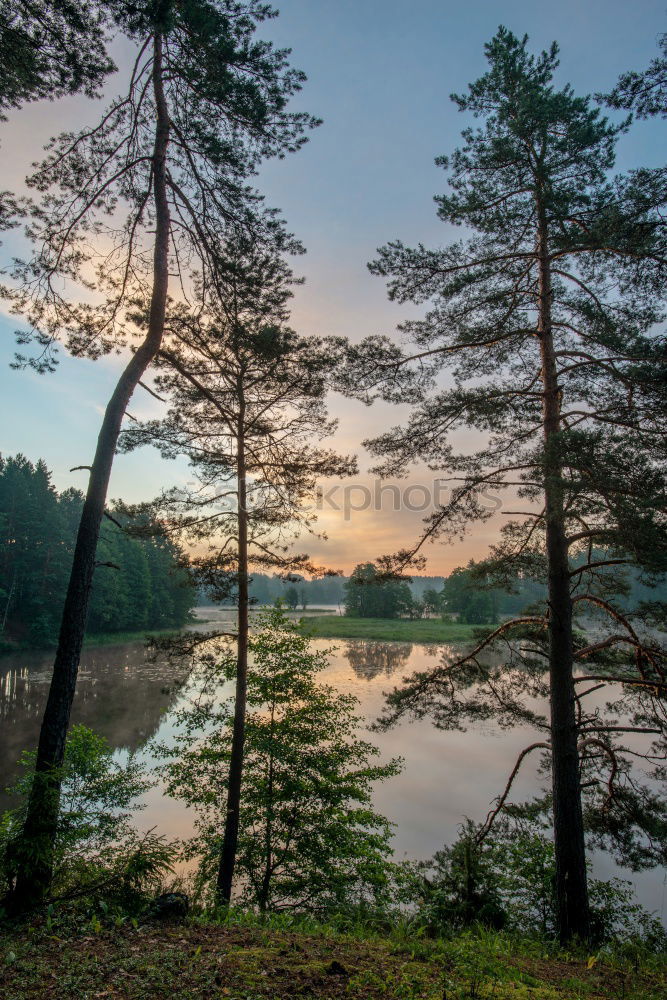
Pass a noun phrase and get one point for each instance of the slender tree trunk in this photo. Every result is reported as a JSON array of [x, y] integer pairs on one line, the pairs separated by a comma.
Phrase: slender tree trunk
[[9, 601], [268, 833], [35, 847], [571, 882], [231, 834]]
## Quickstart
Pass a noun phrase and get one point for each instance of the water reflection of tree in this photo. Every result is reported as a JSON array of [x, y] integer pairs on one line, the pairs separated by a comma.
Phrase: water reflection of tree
[[368, 659], [121, 694]]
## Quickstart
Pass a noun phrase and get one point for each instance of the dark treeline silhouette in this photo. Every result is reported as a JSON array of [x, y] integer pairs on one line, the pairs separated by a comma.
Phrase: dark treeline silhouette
[[467, 595], [370, 594], [464, 593], [267, 589], [140, 583], [475, 600]]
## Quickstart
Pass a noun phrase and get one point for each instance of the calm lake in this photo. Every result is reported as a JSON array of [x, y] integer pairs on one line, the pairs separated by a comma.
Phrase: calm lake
[[446, 776]]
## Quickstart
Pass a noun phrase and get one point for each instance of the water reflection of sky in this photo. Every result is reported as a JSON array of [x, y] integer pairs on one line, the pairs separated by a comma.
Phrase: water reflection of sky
[[446, 777]]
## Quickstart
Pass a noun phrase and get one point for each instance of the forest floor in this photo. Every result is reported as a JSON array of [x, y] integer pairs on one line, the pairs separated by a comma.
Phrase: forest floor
[[197, 961], [389, 629]]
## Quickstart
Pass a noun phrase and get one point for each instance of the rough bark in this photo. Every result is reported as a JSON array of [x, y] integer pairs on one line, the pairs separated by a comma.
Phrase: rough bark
[[571, 881], [231, 833], [35, 846]]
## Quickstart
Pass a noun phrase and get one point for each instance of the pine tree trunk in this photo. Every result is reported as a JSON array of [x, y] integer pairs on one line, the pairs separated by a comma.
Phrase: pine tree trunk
[[9, 601], [231, 835], [34, 850], [268, 833], [571, 883]]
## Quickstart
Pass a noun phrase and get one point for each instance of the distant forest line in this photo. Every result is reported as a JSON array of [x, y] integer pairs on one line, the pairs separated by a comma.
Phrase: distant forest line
[[329, 590], [462, 594], [142, 583], [139, 582]]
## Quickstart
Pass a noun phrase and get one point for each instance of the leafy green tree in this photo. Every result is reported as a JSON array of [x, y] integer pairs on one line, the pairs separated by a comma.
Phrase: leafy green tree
[[371, 594], [548, 316], [247, 408], [98, 847], [309, 838], [467, 594], [416, 609], [524, 861], [481, 610], [433, 600], [461, 886], [292, 598], [507, 879], [164, 175], [522, 854]]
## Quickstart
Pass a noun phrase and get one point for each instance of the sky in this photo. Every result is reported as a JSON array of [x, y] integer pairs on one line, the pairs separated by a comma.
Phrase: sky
[[379, 73]]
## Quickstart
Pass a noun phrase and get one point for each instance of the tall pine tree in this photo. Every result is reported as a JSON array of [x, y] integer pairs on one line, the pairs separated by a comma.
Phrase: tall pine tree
[[146, 193], [545, 315], [247, 407]]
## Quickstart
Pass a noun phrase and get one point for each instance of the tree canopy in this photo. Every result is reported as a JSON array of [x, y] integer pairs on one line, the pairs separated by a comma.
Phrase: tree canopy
[[309, 836], [547, 318], [141, 583], [370, 594]]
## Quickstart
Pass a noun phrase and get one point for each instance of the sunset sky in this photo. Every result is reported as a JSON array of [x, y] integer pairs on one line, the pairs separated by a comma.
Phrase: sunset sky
[[380, 74]]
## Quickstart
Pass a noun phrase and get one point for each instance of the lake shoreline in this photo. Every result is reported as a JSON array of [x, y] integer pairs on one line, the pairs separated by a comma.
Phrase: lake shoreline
[[97, 639], [422, 630]]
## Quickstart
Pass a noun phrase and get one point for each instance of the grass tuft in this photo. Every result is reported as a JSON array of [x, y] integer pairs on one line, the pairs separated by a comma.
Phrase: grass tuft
[[241, 956]]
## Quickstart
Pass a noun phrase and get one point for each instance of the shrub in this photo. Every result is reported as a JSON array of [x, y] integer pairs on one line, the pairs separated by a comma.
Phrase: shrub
[[309, 837], [97, 848]]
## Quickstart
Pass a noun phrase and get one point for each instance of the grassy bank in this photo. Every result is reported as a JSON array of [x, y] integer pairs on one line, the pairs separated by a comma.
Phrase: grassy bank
[[98, 639], [326, 626], [116, 638], [245, 960], [388, 629]]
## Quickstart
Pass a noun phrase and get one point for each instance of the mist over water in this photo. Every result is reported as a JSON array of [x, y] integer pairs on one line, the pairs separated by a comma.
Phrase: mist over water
[[447, 776]]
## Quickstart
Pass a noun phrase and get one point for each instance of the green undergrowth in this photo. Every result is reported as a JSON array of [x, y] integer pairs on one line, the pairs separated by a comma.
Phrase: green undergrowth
[[388, 629], [99, 953]]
